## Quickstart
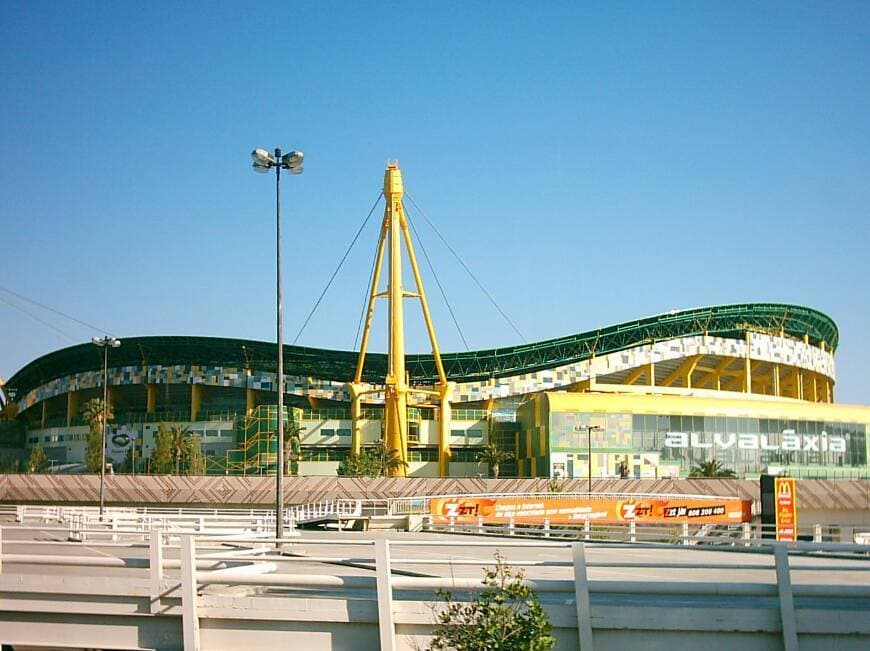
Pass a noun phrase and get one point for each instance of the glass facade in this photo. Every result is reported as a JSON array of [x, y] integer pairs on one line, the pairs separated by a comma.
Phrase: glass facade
[[742, 444]]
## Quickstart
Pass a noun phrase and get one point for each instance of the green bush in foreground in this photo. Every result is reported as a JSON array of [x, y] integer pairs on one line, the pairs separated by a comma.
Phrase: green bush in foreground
[[507, 616]]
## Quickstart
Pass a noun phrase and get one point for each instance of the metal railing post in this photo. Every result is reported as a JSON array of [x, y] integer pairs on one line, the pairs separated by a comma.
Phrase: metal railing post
[[1, 550], [480, 524], [190, 616], [817, 533], [512, 527], [747, 533], [686, 533], [786, 598], [587, 529], [546, 527], [632, 531], [155, 566], [581, 597], [386, 628]]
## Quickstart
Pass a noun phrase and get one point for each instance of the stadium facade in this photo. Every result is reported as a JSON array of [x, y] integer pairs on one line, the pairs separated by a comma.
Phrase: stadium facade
[[749, 385]]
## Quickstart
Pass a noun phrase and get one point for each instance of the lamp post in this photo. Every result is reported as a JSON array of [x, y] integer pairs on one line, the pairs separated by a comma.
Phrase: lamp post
[[105, 343], [589, 429], [263, 161]]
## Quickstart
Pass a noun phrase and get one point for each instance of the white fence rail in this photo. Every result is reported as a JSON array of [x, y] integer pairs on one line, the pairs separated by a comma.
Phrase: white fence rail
[[193, 587]]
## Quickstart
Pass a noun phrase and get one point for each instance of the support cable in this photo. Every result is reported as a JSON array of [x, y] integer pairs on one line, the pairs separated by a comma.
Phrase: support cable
[[465, 266], [338, 268], [437, 281], [36, 319], [362, 312], [90, 326]]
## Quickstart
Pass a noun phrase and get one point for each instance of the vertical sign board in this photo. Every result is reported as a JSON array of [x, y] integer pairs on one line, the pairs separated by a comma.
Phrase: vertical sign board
[[785, 491]]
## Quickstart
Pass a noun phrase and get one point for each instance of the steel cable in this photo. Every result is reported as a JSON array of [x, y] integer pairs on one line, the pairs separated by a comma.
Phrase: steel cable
[[338, 268], [437, 281], [465, 266]]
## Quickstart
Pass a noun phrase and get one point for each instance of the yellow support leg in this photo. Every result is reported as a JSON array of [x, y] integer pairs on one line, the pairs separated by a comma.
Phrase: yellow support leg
[[195, 400], [444, 391], [150, 398], [72, 407]]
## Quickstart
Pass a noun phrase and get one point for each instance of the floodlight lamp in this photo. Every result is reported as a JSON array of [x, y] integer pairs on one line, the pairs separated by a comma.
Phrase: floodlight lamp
[[262, 169], [97, 341], [296, 169], [262, 158], [293, 159], [115, 343]]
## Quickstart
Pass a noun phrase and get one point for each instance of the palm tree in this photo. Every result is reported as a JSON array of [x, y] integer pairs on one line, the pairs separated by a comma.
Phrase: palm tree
[[493, 457], [711, 469], [292, 447], [390, 460], [385, 461], [180, 440], [93, 415]]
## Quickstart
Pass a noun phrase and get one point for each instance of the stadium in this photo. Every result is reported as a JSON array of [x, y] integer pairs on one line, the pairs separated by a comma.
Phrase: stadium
[[748, 385]]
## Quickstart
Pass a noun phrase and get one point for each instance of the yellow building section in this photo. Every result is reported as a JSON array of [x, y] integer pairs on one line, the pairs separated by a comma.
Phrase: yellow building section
[[722, 373], [654, 403], [591, 434]]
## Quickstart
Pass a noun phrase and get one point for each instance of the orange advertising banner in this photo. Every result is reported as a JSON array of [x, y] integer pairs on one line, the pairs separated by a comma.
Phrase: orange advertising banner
[[785, 489], [529, 510]]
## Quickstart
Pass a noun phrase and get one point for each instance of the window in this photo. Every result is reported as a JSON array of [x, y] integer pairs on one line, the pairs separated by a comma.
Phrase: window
[[423, 454], [464, 455], [324, 454], [344, 432]]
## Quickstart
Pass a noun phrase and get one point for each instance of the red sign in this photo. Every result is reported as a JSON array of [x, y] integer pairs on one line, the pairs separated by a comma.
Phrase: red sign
[[786, 508], [533, 510]]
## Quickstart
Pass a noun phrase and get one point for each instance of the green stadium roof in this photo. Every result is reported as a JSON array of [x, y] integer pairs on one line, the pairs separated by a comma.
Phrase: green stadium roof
[[731, 321]]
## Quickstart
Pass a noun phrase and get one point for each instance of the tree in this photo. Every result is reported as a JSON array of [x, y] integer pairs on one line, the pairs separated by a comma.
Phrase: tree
[[93, 415], [507, 616], [177, 448], [161, 457], [196, 463], [493, 457], [38, 461], [711, 469], [180, 440], [359, 465], [388, 461], [372, 461], [292, 447]]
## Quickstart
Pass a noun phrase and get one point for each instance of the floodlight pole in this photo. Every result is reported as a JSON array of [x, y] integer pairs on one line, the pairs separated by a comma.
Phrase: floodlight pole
[[105, 433], [263, 162], [279, 426], [105, 343], [589, 429]]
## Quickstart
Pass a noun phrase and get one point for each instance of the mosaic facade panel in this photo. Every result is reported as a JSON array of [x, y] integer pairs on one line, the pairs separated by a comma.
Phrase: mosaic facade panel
[[762, 347]]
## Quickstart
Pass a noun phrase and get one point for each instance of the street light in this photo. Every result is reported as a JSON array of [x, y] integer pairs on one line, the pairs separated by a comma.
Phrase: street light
[[589, 429], [105, 343], [263, 161]]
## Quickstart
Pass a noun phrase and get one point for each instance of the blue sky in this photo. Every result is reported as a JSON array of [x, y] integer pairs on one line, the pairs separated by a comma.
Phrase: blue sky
[[592, 163]]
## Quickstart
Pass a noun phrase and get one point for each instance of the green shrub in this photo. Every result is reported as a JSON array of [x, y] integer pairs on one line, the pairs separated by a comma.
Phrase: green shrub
[[507, 616]]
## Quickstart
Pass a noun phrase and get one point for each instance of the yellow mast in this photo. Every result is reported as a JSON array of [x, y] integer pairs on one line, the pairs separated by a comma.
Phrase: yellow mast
[[394, 230]]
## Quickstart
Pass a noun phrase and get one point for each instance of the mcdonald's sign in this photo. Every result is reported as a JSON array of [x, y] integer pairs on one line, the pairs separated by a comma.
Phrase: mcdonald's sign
[[785, 490]]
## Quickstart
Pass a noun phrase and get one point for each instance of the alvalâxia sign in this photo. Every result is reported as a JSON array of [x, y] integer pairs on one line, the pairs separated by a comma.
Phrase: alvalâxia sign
[[529, 510], [789, 441]]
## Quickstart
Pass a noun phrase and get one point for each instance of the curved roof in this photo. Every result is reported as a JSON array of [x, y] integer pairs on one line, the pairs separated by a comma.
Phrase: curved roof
[[730, 321]]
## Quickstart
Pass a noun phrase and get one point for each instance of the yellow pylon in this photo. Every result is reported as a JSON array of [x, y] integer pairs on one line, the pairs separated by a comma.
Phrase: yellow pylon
[[394, 229]]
